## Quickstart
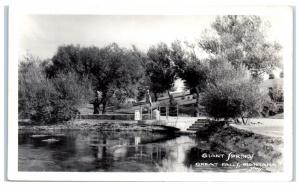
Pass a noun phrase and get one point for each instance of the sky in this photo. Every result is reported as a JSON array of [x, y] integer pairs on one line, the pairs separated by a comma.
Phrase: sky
[[40, 35]]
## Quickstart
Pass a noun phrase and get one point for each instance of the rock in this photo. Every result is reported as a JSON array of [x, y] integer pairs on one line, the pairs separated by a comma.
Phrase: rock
[[38, 136], [50, 140]]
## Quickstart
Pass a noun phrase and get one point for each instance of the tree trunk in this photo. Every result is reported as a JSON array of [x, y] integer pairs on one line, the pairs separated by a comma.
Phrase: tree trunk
[[104, 101], [104, 107], [197, 103], [243, 120], [96, 103], [155, 97], [96, 107]]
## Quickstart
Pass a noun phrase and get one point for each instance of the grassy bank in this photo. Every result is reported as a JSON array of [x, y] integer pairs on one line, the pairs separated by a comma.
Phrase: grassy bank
[[97, 125], [266, 149]]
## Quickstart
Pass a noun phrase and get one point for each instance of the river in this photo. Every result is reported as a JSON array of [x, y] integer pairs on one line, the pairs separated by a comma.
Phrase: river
[[75, 150]]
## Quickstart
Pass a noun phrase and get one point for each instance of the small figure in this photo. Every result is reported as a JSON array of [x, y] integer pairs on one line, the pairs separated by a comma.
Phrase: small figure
[[96, 102]]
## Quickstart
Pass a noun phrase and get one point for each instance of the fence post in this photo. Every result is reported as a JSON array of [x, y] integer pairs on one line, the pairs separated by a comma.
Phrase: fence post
[[150, 111], [141, 109], [167, 112]]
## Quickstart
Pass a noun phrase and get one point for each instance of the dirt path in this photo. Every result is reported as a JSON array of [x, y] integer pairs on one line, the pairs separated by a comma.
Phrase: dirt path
[[264, 126]]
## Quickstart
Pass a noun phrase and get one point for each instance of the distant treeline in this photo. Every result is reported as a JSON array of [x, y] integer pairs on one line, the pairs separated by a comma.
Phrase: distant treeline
[[228, 75]]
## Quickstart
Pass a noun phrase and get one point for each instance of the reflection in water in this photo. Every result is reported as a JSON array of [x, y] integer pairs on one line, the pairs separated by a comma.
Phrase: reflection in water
[[112, 151]]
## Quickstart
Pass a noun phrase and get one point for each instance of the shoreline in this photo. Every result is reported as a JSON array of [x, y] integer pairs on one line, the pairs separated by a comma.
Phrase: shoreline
[[265, 149], [97, 125]]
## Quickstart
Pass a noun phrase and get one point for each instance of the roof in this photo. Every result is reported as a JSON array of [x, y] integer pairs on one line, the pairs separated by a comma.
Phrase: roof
[[174, 94]]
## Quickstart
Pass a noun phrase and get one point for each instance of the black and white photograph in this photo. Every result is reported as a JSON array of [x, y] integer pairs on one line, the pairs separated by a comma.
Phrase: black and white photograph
[[157, 93]]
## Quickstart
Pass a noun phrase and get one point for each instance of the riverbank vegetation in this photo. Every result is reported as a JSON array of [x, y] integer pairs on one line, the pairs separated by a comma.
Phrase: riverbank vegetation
[[265, 149], [226, 69], [99, 126], [45, 100]]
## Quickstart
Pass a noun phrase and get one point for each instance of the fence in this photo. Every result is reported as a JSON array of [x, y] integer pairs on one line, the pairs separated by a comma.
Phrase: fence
[[168, 110]]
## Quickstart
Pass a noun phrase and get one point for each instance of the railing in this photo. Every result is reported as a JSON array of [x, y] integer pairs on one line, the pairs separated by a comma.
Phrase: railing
[[171, 111]]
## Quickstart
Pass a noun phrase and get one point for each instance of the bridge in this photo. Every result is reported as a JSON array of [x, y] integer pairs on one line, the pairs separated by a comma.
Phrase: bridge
[[184, 124]]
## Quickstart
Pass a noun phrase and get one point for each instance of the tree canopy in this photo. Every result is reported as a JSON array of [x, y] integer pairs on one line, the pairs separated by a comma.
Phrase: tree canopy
[[160, 69], [190, 69], [241, 40], [113, 71], [45, 100], [231, 92], [227, 74]]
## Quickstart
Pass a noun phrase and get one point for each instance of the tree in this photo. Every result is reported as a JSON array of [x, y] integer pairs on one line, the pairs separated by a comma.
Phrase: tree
[[276, 94], [46, 100], [35, 93], [66, 59], [231, 92], [190, 69], [241, 40], [160, 70], [72, 92], [113, 71], [144, 82], [117, 73]]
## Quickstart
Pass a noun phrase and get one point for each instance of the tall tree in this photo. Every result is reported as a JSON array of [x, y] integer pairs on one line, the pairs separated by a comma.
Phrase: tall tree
[[241, 40], [160, 70], [190, 69], [113, 71], [66, 59], [144, 82], [117, 73]]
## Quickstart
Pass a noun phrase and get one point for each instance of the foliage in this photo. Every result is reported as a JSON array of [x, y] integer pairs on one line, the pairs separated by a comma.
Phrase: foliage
[[231, 92], [118, 73], [239, 54], [241, 40], [110, 69], [45, 100], [144, 81], [276, 94], [36, 93], [190, 69], [160, 69], [71, 93]]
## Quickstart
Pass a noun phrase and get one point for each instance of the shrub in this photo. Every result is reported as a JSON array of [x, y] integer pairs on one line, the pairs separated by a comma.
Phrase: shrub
[[36, 93], [71, 93], [232, 93], [276, 94], [46, 100]]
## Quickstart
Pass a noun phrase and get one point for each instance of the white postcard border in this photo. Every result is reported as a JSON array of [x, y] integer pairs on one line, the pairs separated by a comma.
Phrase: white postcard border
[[14, 174]]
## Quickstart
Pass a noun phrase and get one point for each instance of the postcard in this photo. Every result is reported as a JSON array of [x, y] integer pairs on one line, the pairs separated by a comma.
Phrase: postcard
[[197, 94]]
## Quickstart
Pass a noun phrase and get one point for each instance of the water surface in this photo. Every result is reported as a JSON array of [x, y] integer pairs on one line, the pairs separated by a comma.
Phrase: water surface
[[74, 150]]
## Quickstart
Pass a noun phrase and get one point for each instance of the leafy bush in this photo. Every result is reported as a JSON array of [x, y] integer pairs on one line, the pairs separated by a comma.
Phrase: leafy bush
[[46, 100], [71, 93], [110, 68], [232, 93], [276, 94], [36, 93]]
